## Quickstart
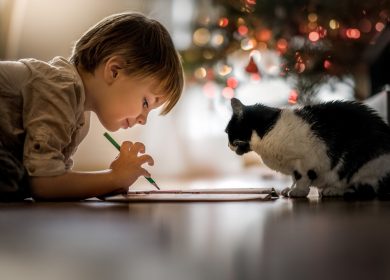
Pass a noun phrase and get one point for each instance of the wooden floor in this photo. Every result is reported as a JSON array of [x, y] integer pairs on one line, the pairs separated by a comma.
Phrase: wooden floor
[[282, 239]]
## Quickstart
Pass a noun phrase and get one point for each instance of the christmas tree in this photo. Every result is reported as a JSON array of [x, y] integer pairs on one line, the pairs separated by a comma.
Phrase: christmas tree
[[315, 40]]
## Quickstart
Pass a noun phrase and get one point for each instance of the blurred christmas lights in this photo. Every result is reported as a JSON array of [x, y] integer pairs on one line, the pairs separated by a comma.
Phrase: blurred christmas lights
[[293, 98], [308, 47], [228, 92]]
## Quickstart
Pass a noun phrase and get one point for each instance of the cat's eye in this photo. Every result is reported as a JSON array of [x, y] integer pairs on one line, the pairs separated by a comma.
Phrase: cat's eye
[[239, 143]]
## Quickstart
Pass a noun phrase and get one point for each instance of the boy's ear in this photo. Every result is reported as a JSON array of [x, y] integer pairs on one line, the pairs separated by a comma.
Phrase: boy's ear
[[237, 107], [112, 68]]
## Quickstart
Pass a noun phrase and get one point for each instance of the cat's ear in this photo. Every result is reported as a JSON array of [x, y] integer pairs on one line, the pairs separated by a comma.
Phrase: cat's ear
[[237, 107]]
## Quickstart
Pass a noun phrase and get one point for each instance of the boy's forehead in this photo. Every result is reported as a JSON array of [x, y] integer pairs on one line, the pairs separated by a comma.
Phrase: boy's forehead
[[157, 87]]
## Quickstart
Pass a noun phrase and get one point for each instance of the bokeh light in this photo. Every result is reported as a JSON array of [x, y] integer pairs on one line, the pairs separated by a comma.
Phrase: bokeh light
[[223, 22], [201, 36], [282, 45], [353, 33], [379, 26], [327, 64], [217, 39], [232, 82], [293, 97], [314, 36], [334, 24], [224, 69], [264, 35], [248, 44], [228, 92], [242, 30], [312, 17], [200, 73]]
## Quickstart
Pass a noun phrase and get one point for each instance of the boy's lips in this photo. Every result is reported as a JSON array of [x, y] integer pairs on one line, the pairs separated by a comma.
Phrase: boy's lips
[[129, 124], [126, 124]]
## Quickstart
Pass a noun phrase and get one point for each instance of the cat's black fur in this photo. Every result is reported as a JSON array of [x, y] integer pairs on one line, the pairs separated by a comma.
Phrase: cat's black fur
[[341, 147], [340, 124]]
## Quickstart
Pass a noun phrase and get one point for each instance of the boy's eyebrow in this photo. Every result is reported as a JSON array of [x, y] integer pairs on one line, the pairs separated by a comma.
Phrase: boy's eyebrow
[[158, 89]]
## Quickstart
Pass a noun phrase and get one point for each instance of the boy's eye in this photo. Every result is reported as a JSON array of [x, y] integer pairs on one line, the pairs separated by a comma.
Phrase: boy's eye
[[145, 104]]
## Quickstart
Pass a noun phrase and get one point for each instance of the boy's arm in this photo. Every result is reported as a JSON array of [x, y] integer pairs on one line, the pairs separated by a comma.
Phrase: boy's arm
[[73, 185], [123, 172]]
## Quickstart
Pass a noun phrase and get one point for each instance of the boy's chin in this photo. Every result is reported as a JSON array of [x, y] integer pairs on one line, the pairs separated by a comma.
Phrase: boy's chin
[[111, 129], [109, 126], [117, 127]]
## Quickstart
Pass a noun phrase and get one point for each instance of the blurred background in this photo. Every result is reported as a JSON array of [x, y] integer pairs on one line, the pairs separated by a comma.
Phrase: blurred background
[[279, 53]]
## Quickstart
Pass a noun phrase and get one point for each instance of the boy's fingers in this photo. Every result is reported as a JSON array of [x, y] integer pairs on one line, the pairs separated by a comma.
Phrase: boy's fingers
[[145, 173], [146, 159], [126, 146], [138, 148]]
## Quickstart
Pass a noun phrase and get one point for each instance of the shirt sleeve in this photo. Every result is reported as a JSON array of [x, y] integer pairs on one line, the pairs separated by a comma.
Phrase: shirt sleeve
[[49, 118]]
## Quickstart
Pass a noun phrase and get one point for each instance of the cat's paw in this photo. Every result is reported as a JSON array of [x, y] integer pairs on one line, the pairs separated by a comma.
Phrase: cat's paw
[[332, 192], [295, 192], [299, 192]]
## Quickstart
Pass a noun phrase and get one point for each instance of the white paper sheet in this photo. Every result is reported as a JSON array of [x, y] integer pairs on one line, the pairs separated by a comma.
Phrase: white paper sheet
[[195, 195]]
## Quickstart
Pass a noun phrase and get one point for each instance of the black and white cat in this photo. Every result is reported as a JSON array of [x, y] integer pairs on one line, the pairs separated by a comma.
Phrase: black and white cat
[[340, 147]]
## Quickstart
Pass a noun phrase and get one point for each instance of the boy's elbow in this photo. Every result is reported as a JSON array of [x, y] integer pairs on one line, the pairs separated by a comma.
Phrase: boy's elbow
[[51, 188], [44, 189], [39, 189]]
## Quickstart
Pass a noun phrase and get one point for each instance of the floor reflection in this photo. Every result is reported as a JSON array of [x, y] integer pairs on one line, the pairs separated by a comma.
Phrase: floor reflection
[[283, 239]]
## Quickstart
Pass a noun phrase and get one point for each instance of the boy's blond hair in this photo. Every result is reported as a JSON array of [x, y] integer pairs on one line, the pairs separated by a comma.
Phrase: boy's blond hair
[[145, 46]]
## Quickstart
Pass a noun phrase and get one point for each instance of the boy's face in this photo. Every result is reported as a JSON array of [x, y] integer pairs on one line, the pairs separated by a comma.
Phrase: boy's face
[[128, 101]]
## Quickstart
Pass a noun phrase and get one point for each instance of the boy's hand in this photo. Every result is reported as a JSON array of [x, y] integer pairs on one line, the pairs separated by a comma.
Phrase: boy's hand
[[127, 167]]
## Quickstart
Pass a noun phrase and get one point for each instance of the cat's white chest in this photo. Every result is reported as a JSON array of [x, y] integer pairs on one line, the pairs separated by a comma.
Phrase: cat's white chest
[[289, 145], [276, 161], [273, 155]]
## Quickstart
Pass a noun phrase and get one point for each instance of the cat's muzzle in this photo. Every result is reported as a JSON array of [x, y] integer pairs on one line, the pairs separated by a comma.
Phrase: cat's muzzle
[[240, 147]]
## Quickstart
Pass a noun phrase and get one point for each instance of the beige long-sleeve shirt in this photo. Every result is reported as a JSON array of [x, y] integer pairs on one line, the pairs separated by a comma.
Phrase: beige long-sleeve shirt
[[42, 113]]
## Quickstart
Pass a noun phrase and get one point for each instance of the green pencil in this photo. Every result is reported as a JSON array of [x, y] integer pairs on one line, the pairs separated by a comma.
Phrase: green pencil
[[116, 145]]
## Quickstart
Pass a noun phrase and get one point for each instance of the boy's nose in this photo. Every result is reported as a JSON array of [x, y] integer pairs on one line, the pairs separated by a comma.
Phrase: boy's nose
[[142, 119]]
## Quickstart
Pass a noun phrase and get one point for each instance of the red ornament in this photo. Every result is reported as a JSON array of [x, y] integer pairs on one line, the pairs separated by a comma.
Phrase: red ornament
[[252, 67], [232, 82], [327, 64], [293, 98]]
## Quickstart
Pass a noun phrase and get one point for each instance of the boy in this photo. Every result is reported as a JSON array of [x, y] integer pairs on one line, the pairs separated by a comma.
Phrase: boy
[[121, 69]]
